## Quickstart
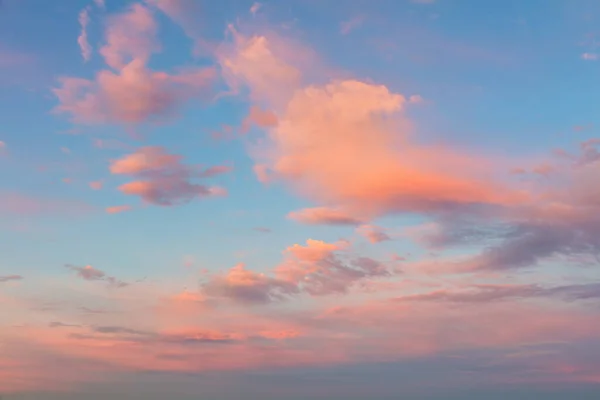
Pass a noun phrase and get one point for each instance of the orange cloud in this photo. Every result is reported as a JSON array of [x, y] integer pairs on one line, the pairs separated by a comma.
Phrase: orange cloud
[[323, 215], [118, 209]]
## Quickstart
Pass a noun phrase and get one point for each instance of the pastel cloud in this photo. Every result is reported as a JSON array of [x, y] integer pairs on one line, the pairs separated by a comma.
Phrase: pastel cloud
[[118, 209], [90, 273], [377, 167], [162, 179], [82, 40], [373, 234], [316, 269], [323, 215], [7, 278], [133, 94]]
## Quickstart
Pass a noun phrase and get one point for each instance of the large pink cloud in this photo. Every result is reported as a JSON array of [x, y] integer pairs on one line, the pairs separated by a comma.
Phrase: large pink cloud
[[348, 143], [162, 178]]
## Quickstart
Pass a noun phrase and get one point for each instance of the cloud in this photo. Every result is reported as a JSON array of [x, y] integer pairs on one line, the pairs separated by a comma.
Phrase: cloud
[[255, 8], [3, 147], [7, 278], [130, 93], [117, 209], [490, 293], [323, 215], [242, 285], [89, 273], [315, 250], [348, 26], [373, 234], [393, 175], [315, 269], [162, 179], [589, 56], [260, 118], [82, 40], [96, 185]]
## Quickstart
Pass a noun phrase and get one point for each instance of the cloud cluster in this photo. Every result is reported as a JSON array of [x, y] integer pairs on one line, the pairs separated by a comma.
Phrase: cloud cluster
[[317, 268], [129, 92], [162, 179]]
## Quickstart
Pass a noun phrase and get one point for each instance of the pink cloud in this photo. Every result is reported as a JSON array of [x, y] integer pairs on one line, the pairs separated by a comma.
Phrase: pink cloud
[[373, 234], [348, 143], [315, 250], [260, 118], [130, 93], [317, 269], [96, 185], [323, 215], [117, 209], [162, 178]]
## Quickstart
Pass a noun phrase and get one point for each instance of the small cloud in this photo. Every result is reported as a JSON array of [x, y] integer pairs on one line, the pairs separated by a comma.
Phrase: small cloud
[[255, 8], [416, 99], [323, 215], [82, 40], [96, 185], [117, 209], [589, 56], [65, 150], [162, 179], [3, 147], [7, 278], [262, 229], [89, 273], [348, 26], [100, 4], [373, 234]]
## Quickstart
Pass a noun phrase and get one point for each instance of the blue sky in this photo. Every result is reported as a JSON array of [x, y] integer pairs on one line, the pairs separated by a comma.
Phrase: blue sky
[[409, 165]]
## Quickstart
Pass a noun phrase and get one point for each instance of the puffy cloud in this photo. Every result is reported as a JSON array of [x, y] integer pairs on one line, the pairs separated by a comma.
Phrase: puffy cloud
[[315, 250], [162, 179], [314, 269], [262, 64], [323, 215], [133, 93], [242, 285], [325, 130], [82, 40]]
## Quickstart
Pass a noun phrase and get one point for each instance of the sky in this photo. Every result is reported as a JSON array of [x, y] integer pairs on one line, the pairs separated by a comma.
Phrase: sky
[[299, 199]]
